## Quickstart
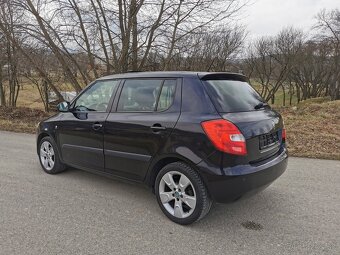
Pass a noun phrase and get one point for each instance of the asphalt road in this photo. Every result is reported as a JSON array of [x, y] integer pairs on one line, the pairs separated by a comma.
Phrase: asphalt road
[[80, 213]]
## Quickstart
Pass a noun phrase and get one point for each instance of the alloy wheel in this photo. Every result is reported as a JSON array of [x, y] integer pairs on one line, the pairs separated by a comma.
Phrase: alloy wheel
[[47, 155], [177, 194]]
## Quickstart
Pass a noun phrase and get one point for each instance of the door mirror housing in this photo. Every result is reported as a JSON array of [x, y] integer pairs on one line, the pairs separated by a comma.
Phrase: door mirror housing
[[63, 107]]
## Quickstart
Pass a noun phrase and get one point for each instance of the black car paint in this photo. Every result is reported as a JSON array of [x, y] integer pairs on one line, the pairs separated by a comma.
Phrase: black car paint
[[127, 147], [132, 139]]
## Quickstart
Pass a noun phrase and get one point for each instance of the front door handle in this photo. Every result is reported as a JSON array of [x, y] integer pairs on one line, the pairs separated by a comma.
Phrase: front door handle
[[97, 126], [157, 128]]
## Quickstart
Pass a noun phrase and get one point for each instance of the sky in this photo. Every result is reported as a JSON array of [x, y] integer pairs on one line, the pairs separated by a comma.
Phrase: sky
[[268, 17]]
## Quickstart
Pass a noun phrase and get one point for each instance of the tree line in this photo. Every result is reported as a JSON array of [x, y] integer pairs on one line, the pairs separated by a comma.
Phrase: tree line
[[301, 65], [51, 42]]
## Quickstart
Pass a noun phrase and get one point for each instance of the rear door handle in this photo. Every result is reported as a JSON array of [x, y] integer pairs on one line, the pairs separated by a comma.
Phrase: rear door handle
[[97, 126], [157, 128]]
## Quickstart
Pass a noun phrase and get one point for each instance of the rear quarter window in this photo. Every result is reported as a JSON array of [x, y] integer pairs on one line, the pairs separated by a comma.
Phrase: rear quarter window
[[232, 95], [167, 95]]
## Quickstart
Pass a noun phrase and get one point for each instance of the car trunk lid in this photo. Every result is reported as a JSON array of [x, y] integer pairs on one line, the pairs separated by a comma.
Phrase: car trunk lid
[[262, 130]]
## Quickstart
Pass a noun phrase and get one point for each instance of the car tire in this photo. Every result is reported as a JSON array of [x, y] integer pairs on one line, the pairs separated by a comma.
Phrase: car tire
[[49, 157], [181, 194]]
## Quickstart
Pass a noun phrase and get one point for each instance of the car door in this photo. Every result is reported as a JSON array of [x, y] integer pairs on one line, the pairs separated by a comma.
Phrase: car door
[[145, 114], [80, 131]]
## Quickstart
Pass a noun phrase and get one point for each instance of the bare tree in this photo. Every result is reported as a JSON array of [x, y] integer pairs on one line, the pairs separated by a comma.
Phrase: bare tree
[[121, 34], [328, 25], [95, 37], [191, 17], [44, 28], [311, 71], [271, 60], [2, 64], [288, 43], [13, 35], [7, 19], [213, 51], [264, 67]]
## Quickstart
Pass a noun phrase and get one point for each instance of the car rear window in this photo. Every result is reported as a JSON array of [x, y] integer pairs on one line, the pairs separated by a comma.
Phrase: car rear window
[[232, 95]]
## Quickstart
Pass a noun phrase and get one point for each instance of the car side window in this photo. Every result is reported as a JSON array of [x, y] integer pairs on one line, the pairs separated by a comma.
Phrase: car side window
[[139, 95], [97, 97], [167, 95]]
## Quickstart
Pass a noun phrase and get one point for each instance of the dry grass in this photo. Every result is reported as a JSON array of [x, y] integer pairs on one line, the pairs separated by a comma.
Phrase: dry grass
[[21, 119], [313, 129], [29, 111], [29, 94], [29, 97]]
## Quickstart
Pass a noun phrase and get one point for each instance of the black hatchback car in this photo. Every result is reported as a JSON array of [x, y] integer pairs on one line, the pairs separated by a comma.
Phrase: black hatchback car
[[194, 138]]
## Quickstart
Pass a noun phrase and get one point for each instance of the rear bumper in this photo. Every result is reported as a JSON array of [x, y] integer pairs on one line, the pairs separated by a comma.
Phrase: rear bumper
[[241, 181]]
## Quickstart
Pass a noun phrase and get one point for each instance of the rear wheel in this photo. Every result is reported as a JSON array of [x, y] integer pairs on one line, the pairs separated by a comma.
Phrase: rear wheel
[[49, 157], [181, 193]]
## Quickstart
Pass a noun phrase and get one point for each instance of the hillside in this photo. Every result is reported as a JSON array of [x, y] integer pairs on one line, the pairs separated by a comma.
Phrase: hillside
[[313, 129]]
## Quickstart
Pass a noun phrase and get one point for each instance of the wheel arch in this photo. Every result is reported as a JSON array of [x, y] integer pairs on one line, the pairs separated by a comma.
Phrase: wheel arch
[[157, 165], [40, 137], [46, 134]]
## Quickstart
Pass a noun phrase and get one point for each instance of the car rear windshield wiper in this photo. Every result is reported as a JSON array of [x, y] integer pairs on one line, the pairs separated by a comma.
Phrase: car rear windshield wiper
[[261, 105]]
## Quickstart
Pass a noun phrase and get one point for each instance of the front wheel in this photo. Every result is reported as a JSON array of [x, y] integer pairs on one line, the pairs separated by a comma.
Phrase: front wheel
[[181, 193], [49, 157]]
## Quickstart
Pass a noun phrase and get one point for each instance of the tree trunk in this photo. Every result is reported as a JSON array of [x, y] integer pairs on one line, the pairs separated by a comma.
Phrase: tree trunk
[[273, 99], [2, 92], [335, 91], [46, 95], [102, 41], [291, 93], [54, 48], [298, 95], [173, 39], [86, 40], [107, 27], [134, 45]]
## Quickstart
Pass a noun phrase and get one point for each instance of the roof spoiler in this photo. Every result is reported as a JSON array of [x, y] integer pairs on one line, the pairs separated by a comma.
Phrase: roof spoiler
[[223, 76]]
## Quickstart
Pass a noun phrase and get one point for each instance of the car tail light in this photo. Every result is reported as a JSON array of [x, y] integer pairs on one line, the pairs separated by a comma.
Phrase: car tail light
[[284, 135], [225, 136]]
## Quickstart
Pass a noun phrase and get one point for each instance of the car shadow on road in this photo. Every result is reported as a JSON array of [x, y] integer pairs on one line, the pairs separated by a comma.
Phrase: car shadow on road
[[263, 211], [250, 213]]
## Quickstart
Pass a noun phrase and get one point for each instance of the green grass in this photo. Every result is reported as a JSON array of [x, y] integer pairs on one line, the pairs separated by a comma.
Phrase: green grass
[[278, 95], [279, 99]]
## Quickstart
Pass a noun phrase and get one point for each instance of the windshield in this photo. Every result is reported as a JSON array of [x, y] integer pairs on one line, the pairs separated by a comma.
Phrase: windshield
[[232, 96]]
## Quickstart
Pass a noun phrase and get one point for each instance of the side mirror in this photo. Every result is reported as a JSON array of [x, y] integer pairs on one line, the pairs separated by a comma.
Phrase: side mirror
[[63, 107]]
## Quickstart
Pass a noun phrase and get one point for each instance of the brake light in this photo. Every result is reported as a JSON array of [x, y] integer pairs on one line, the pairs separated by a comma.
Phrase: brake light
[[225, 136], [284, 135]]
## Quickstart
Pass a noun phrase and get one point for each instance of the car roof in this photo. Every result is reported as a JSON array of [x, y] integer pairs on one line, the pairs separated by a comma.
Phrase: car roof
[[177, 74]]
